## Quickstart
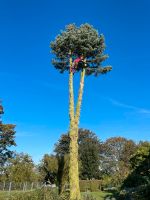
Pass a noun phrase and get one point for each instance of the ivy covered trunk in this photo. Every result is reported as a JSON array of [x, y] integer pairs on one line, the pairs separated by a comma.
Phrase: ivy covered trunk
[[76, 42], [73, 133], [73, 165]]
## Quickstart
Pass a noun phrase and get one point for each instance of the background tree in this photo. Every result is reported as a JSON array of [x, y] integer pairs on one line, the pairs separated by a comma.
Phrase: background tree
[[115, 158], [140, 166], [48, 169], [21, 169], [55, 169], [140, 155], [139, 177], [89, 159], [89, 148], [7, 139], [63, 171], [69, 44]]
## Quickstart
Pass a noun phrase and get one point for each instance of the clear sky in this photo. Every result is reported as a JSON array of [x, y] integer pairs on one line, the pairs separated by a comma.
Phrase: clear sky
[[35, 95]]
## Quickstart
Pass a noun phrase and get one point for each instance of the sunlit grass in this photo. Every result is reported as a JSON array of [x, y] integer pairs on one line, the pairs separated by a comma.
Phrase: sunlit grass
[[99, 195], [4, 195]]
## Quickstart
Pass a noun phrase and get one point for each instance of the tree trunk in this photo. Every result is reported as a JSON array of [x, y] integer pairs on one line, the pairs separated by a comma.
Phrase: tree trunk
[[73, 168], [78, 108], [74, 120], [73, 161]]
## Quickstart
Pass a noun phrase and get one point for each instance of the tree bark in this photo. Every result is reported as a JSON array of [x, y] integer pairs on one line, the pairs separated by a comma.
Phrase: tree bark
[[80, 94], [73, 133]]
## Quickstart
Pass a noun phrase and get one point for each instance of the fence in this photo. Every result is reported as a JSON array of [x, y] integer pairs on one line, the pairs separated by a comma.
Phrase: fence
[[9, 186]]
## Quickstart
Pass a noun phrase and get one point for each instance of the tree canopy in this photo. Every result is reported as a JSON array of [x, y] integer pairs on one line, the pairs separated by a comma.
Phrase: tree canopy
[[76, 41], [115, 150], [21, 168], [140, 167], [48, 168]]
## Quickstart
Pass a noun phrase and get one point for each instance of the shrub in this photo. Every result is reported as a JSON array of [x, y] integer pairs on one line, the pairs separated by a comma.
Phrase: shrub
[[138, 193], [90, 185], [40, 194], [88, 197]]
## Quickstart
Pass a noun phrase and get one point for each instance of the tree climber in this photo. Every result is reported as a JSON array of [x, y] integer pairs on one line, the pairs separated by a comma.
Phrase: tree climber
[[78, 63]]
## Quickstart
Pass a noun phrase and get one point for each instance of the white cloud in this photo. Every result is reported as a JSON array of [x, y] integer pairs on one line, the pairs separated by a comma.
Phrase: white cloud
[[131, 107]]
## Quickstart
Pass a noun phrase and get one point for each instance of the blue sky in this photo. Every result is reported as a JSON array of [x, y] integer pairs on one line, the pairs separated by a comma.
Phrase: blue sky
[[35, 95]]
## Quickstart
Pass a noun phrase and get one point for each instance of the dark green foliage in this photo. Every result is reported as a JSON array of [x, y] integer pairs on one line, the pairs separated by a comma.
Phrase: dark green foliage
[[76, 41], [63, 172], [62, 146], [48, 169], [89, 147], [61, 164], [143, 193], [140, 155], [140, 163], [138, 193], [7, 139], [137, 184], [7, 136]]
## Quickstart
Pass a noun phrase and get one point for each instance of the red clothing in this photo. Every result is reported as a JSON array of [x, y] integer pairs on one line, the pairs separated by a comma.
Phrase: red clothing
[[77, 60], [75, 64]]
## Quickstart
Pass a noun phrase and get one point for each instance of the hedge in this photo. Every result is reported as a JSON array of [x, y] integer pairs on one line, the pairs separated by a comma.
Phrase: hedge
[[90, 185]]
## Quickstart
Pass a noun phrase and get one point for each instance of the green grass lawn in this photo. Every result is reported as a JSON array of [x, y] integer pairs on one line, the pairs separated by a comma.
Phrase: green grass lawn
[[5, 194], [98, 195]]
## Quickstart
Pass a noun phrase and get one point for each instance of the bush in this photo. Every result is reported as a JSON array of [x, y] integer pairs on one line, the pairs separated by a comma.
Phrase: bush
[[88, 197], [90, 185], [40, 194], [138, 193], [64, 196]]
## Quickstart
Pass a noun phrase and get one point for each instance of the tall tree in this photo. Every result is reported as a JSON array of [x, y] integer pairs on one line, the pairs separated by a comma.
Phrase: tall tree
[[7, 139], [69, 44]]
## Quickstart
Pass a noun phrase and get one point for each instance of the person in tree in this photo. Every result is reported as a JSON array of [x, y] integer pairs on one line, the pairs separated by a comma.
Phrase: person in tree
[[78, 63]]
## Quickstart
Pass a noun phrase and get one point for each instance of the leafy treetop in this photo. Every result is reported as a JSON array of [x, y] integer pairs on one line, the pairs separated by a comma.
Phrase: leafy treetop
[[76, 41]]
